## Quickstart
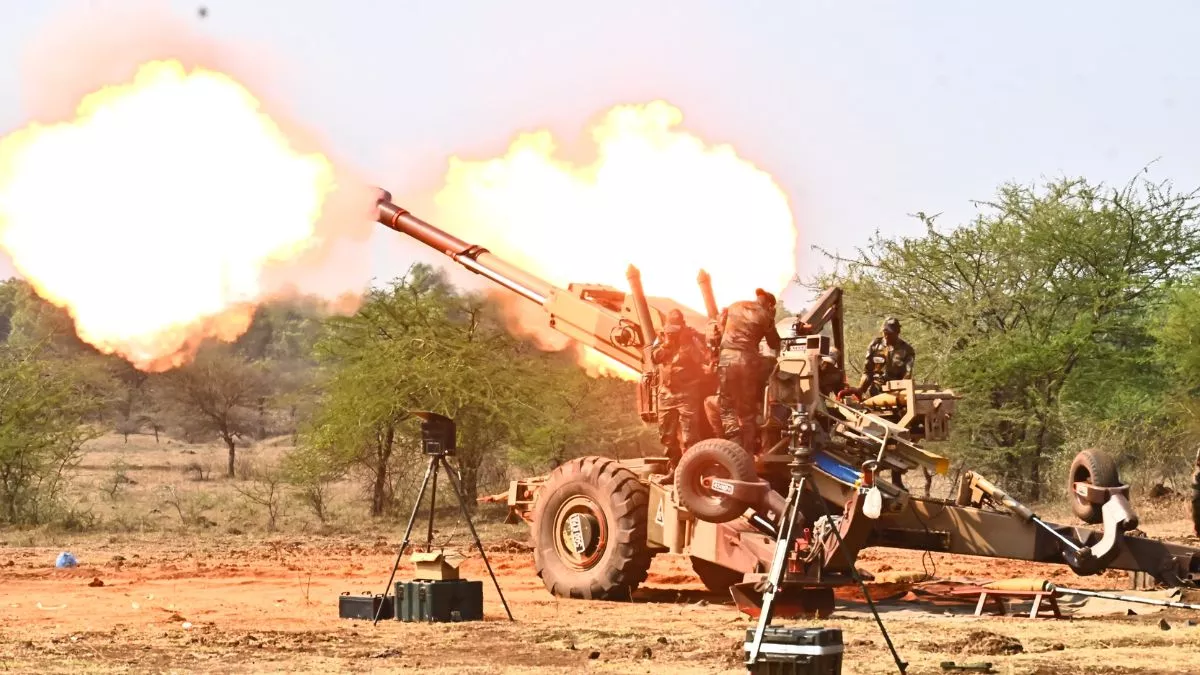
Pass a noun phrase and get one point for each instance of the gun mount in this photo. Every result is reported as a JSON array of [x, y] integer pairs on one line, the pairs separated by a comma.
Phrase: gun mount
[[597, 522]]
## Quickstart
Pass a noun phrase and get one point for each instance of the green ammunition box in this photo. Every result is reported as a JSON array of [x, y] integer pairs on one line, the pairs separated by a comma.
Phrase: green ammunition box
[[442, 600]]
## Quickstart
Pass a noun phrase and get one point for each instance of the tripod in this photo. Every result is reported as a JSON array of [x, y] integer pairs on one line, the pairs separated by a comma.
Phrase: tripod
[[801, 470], [438, 440]]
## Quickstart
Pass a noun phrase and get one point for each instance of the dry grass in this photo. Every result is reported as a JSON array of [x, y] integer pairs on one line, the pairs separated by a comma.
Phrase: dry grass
[[142, 486], [145, 487]]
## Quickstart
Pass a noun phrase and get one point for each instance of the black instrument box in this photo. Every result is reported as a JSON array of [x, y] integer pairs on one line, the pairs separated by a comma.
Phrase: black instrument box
[[796, 651], [363, 607]]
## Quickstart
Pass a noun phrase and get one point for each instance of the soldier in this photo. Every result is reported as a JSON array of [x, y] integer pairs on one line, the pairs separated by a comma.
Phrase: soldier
[[742, 326], [681, 356], [888, 358], [831, 378]]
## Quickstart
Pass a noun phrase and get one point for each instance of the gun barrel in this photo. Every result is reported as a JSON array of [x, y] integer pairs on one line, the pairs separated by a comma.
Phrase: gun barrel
[[475, 258], [710, 301], [634, 276]]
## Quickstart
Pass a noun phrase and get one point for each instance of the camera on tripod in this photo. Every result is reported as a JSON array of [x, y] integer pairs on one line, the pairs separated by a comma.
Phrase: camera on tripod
[[435, 598], [437, 434]]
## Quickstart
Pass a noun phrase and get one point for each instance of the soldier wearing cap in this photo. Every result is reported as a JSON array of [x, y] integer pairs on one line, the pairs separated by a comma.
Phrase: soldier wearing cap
[[740, 366], [888, 358], [681, 357]]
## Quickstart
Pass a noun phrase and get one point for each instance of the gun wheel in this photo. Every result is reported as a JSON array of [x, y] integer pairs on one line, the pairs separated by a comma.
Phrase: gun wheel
[[590, 531], [708, 459], [1097, 468]]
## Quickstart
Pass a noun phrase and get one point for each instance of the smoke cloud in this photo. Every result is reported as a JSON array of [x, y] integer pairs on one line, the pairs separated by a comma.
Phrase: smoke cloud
[[269, 249]]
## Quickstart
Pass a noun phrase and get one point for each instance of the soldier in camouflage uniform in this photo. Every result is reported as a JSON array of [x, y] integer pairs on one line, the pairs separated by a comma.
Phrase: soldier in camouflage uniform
[[888, 358], [831, 378], [742, 326], [681, 356]]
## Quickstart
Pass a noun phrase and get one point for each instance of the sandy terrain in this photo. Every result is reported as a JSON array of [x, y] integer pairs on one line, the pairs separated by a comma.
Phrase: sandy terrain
[[239, 604], [229, 597]]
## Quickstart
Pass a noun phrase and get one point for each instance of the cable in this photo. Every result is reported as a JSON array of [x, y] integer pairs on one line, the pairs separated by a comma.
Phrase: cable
[[901, 665], [927, 554]]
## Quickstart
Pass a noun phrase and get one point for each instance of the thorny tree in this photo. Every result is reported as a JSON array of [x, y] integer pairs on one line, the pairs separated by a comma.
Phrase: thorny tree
[[44, 404], [422, 345], [1042, 299], [384, 361], [218, 393]]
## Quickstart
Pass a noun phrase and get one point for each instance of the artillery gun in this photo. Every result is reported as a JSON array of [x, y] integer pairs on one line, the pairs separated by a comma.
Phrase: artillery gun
[[597, 522]]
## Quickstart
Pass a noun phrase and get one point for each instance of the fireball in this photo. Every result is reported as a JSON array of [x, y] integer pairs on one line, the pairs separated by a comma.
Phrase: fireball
[[153, 214], [656, 196]]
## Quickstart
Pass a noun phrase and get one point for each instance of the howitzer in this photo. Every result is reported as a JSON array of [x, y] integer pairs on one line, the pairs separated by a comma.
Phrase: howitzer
[[597, 522]]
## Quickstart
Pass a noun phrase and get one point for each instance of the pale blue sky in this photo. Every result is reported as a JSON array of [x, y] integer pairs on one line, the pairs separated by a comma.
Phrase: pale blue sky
[[863, 111]]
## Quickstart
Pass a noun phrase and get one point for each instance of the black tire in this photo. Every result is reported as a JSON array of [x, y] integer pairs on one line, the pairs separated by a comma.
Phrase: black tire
[[1097, 468], [716, 457], [715, 578], [603, 503]]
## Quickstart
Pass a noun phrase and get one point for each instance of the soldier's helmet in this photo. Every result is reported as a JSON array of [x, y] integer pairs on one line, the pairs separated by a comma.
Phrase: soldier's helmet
[[892, 325], [675, 321], [765, 297]]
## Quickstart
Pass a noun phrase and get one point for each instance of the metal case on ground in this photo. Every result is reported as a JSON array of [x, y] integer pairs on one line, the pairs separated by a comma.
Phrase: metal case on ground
[[443, 600], [797, 651], [363, 607]]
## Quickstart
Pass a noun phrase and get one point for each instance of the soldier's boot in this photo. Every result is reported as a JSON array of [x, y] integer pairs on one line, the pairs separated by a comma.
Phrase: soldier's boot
[[747, 438], [733, 432]]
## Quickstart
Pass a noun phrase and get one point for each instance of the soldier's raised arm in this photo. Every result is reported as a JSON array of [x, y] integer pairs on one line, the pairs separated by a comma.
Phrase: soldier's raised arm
[[908, 363], [716, 328], [659, 352], [866, 377], [772, 335]]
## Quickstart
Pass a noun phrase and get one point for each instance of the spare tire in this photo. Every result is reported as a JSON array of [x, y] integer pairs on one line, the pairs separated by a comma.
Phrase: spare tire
[[1099, 469], [716, 458], [589, 524]]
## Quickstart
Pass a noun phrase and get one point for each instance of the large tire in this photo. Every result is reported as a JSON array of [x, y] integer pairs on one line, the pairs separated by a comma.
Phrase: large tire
[[715, 578], [1097, 468], [590, 531], [718, 458]]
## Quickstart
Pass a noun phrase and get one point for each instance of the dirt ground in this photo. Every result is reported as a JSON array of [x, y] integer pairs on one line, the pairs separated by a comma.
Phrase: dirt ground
[[235, 604]]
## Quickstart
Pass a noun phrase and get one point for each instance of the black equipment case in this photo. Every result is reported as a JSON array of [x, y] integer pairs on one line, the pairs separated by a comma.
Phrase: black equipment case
[[796, 651], [441, 600], [363, 607]]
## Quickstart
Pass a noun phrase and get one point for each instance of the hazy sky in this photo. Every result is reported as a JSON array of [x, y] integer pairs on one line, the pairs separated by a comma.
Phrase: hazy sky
[[863, 111]]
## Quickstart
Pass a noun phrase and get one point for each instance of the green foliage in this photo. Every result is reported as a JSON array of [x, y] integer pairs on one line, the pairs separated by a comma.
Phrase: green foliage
[[1179, 335], [1179, 349], [420, 344], [1037, 306], [44, 403], [581, 415]]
